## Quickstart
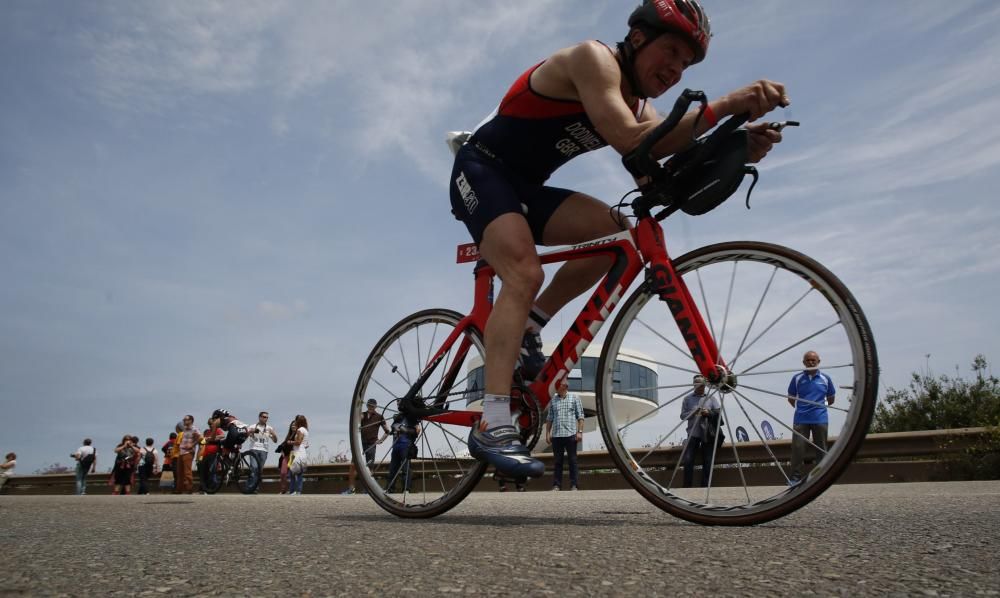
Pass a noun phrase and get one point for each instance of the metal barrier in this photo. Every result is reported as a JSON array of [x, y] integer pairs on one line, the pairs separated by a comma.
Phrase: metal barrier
[[896, 456]]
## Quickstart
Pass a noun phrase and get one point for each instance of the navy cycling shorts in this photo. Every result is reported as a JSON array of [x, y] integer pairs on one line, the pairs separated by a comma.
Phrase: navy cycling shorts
[[483, 189]]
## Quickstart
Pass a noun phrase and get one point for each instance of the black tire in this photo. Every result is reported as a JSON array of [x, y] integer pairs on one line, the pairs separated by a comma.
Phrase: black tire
[[214, 474], [443, 474], [824, 298], [248, 472]]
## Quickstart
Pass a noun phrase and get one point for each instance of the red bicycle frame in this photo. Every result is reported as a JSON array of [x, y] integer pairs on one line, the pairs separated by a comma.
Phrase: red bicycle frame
[[630, 251]]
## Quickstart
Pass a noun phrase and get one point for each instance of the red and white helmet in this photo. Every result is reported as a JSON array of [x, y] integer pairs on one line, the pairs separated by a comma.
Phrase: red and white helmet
[[685, 18]]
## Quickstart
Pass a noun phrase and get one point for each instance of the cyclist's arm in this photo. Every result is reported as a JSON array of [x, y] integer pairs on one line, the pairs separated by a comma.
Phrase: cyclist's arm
[[594, 73]]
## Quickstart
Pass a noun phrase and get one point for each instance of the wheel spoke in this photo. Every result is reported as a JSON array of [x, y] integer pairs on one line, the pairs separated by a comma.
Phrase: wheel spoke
[[767, 447], [797, 370], [790, 347], [774, 323], [394, 369], [736, 452], [661, 364], [725, 314], [783, 424], [704, 301], [753, 319], [797, 400], [684, 352], [654, 410], [406, 367]]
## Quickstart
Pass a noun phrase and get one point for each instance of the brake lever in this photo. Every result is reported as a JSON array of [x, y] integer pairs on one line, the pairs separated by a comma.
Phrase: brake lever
[[781, 125], [778, 126]]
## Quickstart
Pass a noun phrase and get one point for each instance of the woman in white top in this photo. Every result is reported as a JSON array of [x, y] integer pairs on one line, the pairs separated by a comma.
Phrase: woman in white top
[[300, 452]]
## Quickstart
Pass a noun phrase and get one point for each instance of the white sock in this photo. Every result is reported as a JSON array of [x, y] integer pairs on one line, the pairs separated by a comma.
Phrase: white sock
[[496, 411]]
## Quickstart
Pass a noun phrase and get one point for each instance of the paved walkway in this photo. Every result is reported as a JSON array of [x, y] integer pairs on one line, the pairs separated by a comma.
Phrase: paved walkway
[[904, 539]]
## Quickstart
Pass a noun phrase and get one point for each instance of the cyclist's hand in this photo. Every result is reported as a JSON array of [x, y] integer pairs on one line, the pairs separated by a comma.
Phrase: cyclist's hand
[[757, 99], [762, 138]]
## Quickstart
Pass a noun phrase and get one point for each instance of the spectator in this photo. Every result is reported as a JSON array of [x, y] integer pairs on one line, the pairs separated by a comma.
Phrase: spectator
[[208, 447], [86, 462], [564, 431], [284, 451], [405, 431], [167, 471], [371, 421], [261, 437], [700, 411], [300, 453], [125, 459], [149, 465], [7, 468], [188, 440], [135, 458], [810, 391]]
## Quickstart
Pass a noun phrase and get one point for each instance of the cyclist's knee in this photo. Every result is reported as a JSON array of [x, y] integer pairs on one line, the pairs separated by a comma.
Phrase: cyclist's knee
[[524, 276]]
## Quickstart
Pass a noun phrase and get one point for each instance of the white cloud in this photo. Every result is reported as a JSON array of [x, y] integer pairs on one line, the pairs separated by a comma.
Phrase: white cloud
[[273, 310]]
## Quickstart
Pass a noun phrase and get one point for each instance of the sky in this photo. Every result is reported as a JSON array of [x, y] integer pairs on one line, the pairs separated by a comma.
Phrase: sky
[[226, 204]]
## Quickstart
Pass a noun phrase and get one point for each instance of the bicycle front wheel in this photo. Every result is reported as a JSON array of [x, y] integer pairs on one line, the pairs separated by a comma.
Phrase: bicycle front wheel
[[442, 472], [765, 306], [248, 473]]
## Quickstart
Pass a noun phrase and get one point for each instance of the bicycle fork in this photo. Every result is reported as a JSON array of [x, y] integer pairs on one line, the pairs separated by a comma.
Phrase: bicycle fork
[[672, 290]]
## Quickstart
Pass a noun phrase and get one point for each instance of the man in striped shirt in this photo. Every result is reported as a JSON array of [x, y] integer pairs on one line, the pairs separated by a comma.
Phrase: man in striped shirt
[[564, 430]]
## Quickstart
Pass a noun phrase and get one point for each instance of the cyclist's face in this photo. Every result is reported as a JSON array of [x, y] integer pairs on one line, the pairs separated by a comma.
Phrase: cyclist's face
[[660, 64]]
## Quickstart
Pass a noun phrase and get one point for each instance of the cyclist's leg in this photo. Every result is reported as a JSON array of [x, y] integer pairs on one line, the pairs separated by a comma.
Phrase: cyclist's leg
[[578, 218], [509, 247], [487, 198]]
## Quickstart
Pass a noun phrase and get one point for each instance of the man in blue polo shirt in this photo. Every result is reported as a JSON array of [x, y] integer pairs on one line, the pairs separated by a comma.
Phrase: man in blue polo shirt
[[810, 391]]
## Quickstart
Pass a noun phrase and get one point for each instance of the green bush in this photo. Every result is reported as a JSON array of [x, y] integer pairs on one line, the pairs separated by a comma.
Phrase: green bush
[[941, 403], [944, 402]]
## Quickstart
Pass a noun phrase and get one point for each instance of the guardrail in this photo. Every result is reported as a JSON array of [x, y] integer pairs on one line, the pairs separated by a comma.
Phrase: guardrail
[[896, 456]]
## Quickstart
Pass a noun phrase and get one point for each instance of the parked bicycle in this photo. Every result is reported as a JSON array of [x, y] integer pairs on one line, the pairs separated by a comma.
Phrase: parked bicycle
[[757, 306]]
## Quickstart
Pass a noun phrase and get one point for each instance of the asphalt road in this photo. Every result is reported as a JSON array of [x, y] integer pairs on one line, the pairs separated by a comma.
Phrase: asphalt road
[[900, 539]]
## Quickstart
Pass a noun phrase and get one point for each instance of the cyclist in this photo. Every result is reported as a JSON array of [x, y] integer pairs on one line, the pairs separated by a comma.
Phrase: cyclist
[[579, 99], [236, 431]]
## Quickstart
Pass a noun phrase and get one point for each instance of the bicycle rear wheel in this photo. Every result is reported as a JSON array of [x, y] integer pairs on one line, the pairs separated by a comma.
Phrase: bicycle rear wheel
[[214, 475], [248, 472], [443, 473], [765, 305]]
